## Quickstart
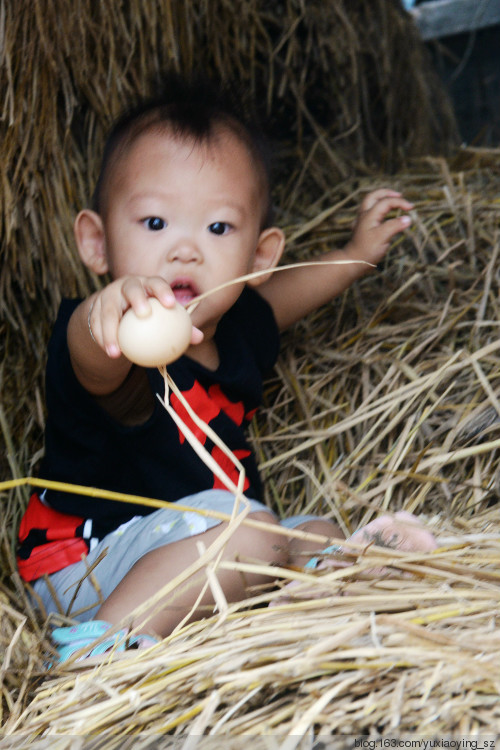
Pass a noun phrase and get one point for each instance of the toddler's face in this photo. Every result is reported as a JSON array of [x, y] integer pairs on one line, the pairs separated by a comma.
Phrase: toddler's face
[[188, 213]]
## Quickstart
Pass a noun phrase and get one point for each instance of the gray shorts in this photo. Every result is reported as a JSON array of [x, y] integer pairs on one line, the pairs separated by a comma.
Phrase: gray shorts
[[80, 595]]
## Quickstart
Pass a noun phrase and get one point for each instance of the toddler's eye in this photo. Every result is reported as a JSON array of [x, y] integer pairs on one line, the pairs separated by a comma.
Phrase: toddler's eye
[[219, 227], [154, 223]]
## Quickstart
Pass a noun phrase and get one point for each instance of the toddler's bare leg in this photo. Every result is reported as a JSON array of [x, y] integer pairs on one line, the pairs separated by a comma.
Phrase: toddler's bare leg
[[161, 565]]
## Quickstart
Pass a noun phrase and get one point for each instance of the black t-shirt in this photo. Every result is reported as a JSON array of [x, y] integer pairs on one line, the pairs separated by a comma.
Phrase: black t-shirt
[[84, 445]]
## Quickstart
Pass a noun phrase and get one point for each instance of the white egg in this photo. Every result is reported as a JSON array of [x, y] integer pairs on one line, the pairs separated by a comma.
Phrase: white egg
[[159, 338]]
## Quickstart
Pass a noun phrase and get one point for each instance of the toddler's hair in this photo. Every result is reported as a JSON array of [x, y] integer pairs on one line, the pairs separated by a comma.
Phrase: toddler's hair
[[191, 108]]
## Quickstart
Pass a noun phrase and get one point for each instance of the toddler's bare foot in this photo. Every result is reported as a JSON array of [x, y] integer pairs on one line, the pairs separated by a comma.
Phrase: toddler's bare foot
[[403, 531]]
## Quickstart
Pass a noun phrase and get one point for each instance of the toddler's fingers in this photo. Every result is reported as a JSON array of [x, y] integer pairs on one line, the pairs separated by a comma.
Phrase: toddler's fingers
[[137, 290], [109, 319], [135, 295], [377, 195], [381, 208], [158, 287], [103, 321], [196, 336], [383, 233], [94, 320]]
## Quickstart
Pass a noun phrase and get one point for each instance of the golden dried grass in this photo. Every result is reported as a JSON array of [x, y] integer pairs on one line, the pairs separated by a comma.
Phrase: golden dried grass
[[416, 651]]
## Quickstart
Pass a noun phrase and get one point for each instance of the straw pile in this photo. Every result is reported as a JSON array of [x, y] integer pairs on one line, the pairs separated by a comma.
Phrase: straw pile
[[402, 412], [386, 399], [390, 656]]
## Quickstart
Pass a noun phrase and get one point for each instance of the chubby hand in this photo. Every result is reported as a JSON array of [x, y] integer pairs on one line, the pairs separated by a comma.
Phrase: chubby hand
[[372, 233], [108, 306]]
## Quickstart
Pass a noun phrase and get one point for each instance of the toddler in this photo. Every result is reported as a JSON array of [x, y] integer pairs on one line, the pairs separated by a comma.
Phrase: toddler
[[182, 205]]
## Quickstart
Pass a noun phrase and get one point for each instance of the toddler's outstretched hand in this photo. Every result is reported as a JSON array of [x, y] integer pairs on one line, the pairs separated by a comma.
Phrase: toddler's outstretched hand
[[372, 233], [110, 304]]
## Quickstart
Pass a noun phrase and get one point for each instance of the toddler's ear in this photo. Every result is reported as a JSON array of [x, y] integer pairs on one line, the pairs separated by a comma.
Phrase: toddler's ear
[[268, 253], [89, 236]]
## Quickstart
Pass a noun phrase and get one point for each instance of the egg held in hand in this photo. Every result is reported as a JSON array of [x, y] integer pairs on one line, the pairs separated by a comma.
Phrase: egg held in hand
[[157, 339]]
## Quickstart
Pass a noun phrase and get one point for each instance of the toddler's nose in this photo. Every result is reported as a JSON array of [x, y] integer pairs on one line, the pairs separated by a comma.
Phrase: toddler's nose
[[185, 250]]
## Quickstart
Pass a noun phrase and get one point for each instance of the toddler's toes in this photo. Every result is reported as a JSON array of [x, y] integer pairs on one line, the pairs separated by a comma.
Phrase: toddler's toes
[[403, 531]]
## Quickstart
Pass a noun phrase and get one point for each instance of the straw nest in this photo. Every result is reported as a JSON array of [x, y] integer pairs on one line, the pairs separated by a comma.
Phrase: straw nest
[[386, 399]]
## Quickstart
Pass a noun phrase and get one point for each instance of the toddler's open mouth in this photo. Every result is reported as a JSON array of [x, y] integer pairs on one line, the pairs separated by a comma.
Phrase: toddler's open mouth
[[184, 291]]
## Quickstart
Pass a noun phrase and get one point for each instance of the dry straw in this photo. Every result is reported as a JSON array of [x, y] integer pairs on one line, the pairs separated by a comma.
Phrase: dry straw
[[400, 413], [386, 399]]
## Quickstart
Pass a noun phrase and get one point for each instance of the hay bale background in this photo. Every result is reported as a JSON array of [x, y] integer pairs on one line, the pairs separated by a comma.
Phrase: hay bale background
[[386, 399]]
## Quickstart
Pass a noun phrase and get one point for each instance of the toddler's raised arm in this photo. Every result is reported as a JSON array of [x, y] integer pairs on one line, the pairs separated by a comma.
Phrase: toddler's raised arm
[[295, 293]]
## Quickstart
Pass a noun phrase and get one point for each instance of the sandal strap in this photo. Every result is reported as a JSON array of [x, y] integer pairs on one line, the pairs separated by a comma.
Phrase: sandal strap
[[314, 561], [111, 643]]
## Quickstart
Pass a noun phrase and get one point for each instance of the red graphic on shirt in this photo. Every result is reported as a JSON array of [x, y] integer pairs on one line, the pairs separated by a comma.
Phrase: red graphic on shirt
[[201, 403], [234, 410], [229, 469], [207, 406], [60, 532]]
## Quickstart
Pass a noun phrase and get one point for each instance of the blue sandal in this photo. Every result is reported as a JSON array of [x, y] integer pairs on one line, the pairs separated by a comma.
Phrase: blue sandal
[[71, 639]]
